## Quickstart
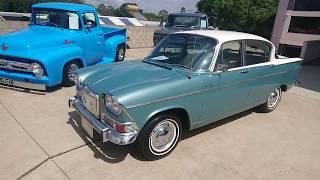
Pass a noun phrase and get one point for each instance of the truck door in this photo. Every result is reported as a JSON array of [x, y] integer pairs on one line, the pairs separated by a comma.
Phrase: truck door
[[93, 39]]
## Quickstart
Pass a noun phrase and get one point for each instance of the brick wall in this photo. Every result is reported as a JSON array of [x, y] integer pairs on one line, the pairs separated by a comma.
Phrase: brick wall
[[139, 37], [8, 26]]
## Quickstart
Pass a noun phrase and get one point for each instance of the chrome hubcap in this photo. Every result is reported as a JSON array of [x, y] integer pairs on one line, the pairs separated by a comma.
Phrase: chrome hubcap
[[121, 54], [164, 136], [274, 98], [72, 68]]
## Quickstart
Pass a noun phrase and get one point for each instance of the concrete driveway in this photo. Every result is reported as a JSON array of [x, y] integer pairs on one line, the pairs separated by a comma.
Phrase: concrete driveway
[[40, 139]]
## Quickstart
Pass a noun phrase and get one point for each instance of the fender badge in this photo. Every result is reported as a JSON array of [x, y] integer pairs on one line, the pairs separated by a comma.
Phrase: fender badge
[[4, 47]]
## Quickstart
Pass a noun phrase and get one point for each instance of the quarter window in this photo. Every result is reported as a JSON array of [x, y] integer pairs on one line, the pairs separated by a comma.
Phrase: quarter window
[[230, 54], [256, 52]]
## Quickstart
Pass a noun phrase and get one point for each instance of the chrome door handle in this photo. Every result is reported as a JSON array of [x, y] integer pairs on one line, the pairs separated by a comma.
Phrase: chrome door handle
[[245, 71]]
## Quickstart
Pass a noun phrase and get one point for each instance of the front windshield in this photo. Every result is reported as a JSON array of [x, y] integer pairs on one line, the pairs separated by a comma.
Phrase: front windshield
[[183, 21], [184, 50], [55, 18]]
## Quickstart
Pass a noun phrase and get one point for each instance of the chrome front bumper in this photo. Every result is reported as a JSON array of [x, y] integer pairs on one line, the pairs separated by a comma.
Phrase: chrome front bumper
[[21, 84], [108, 133]]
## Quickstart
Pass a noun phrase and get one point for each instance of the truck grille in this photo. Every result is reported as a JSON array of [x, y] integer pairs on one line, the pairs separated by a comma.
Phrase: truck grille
[[14, 65], [89, 100]]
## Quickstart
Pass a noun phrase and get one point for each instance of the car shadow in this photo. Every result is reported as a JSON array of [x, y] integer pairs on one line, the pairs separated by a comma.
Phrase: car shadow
[[22, 90], [112, 153], [215, 124], [31, 91], [107, 152]]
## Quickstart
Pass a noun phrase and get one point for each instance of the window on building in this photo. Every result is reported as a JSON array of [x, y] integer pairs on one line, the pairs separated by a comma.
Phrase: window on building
[[304, 5], [305, 25]]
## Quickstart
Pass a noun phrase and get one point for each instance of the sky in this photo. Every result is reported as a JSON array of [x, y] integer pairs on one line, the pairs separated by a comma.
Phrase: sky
[[152, 5]]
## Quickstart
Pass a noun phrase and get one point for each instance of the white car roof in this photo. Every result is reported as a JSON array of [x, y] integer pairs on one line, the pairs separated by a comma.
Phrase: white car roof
[[223, 36]]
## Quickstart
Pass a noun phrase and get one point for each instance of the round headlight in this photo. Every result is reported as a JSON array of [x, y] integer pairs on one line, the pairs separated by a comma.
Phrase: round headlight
[[37, 70], [112, 105]]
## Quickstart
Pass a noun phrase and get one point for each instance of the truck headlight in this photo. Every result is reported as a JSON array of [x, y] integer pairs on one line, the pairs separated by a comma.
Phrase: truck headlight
[[37, 70], [112, 105]]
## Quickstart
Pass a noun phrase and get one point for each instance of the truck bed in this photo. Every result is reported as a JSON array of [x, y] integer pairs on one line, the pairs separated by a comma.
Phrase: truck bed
[[112, 31]]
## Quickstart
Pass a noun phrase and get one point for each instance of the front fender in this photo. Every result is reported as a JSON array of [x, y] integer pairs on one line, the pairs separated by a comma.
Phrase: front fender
[[142, 115], [55, 60], [112, 43]]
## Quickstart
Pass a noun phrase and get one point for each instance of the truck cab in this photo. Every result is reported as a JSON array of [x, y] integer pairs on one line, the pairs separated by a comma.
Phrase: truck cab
[[181, 22], [60, 38]]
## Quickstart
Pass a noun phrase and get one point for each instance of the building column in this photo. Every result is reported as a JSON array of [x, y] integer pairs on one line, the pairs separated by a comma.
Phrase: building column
[[279, 22]]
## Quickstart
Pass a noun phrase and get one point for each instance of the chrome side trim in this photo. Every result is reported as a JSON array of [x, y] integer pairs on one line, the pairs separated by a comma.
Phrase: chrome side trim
[[21, 84], [203, 90]]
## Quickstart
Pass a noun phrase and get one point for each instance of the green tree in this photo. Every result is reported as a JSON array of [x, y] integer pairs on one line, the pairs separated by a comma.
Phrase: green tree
[[252, 16], [107, 11], [151, 16], [122, 12]]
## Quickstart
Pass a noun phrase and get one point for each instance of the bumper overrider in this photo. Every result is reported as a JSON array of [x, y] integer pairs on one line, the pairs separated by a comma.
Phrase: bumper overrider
[[107, 132]]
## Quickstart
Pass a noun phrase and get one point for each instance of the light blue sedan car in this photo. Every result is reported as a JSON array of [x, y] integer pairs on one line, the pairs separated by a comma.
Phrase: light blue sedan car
[[189, 80]]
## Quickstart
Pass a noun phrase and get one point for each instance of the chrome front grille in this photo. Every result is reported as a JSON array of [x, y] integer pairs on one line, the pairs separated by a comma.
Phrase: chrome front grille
[[14, 65], [89, 100]]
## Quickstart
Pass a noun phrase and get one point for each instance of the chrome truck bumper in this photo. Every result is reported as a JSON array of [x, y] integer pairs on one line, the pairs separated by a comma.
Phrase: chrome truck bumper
[[107, 132], [21, 84]]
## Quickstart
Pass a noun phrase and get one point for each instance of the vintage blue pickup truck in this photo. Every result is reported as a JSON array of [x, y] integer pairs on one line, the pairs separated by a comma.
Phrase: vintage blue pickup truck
[[189, 80], [60, 38]]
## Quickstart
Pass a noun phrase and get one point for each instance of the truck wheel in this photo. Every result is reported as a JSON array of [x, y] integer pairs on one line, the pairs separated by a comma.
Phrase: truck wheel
[[272, 102], [120, 53], [67, 70], [159, 137]]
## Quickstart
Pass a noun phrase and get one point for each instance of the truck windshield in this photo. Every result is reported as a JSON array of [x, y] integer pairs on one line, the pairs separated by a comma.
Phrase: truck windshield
[[183, 21], [55, 18], [184, 51]]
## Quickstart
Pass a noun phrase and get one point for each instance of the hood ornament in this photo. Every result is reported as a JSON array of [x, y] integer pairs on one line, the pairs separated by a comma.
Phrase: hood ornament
[[4, 47]]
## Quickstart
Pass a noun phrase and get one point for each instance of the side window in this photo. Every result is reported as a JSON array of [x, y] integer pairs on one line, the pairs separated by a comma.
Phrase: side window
[[256, 52], [89, 20], [230, 54]]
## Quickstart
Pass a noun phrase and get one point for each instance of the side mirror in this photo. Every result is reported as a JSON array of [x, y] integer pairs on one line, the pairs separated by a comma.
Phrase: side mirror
[[89, 25], [222, 68]]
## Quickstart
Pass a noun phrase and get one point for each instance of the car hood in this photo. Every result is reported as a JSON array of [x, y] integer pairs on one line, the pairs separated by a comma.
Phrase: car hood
[[32, 39], [133, 82]]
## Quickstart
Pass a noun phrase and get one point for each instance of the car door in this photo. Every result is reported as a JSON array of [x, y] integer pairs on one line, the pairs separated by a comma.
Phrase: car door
[[93, 38], [226, 91], [260, 70]]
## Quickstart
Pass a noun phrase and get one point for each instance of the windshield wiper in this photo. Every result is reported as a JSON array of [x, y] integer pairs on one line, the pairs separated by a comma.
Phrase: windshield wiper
[[194, 27], [56, 25], [181, 65], [180, 25], [155, 62]]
